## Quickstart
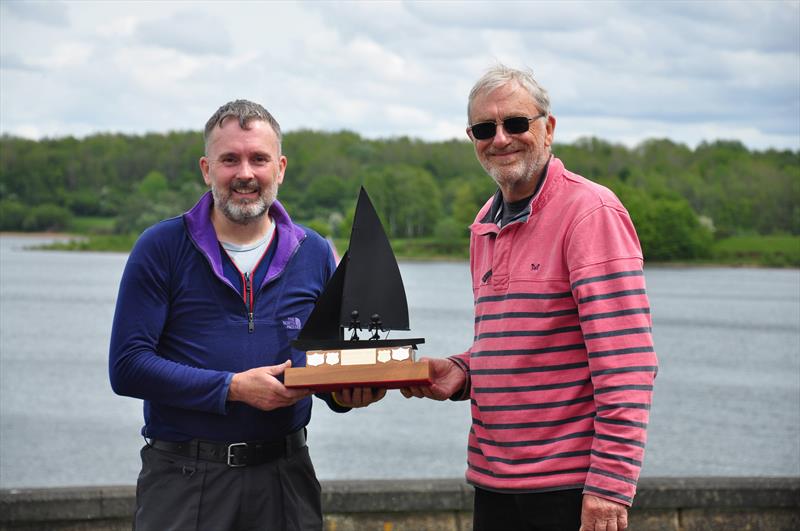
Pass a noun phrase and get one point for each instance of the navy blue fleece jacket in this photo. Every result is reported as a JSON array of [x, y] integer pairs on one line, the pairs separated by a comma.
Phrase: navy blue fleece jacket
[[182, 326]]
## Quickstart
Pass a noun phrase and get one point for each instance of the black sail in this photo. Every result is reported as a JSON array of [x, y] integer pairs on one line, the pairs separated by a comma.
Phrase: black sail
[[367, 281], [373, 285]]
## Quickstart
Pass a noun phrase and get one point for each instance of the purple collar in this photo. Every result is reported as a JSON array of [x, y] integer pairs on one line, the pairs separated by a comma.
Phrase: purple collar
[[201, 231]]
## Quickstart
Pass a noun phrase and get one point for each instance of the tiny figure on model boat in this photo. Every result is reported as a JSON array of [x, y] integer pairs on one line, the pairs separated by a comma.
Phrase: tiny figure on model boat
[[367, 282]]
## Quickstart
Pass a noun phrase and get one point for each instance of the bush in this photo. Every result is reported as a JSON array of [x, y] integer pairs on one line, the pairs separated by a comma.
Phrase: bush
[[12, 215], [47, 217], [678, 235], [667, 227]]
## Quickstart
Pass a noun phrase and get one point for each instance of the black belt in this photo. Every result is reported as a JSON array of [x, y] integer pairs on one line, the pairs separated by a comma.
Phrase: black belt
[[235, 454]]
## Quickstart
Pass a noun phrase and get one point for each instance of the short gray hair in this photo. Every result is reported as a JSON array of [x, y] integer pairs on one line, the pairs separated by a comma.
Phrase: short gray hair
[[500, 75], [244, 111]]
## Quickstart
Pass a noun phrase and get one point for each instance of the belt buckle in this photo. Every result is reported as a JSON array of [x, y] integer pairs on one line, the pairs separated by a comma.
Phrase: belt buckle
[[230, 454]]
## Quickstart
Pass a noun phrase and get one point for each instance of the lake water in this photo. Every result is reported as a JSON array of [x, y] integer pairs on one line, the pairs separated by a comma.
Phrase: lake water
[[727, 398]]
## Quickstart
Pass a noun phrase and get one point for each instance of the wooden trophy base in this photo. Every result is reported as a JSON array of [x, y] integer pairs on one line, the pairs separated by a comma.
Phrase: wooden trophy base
[[389, 375]]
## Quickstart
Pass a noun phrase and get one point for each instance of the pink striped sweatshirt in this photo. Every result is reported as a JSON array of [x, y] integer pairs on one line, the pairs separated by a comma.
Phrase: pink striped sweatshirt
[[562, 366]]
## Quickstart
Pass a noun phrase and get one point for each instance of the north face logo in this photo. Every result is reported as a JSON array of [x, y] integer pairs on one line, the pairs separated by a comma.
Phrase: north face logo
[[292, 323]]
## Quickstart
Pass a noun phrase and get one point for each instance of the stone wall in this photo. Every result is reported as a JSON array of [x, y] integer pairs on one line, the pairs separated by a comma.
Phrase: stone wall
[[668, 504]]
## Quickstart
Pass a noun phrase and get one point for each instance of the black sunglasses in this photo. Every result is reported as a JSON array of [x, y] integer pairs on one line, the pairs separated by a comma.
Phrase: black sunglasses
[[512, 126]]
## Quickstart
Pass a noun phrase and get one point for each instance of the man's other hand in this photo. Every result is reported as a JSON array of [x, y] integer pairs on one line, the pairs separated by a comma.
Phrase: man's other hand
[[599, 514], [261, 388]]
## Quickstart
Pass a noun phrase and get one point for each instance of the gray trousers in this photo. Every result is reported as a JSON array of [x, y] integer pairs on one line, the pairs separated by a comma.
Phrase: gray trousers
[[176, 493]]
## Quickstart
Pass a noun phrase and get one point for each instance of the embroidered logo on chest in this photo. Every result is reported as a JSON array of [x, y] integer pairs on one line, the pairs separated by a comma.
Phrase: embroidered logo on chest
[[292, 323]]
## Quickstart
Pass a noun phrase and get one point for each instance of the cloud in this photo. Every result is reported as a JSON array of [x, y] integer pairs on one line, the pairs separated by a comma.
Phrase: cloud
[[510, 15], [67, 55], [191, 32], [52, 13], [15, 62], [765, 26]]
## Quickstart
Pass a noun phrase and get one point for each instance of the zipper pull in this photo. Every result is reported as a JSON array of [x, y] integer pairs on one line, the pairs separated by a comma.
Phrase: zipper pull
[[251, 325]]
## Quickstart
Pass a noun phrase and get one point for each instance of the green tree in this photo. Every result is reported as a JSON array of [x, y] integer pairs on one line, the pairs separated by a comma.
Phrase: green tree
[[152, 186], [406, 198]]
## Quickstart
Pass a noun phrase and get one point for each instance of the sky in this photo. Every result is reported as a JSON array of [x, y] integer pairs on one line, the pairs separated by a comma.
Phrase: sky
[[622, 71]]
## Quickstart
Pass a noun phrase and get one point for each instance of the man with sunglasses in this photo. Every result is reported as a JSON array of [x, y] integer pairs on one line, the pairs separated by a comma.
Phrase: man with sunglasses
[[561, 370]]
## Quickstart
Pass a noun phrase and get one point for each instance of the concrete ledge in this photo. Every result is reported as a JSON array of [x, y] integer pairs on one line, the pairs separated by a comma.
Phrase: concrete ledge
[[718, 493], [673, 504], [415, 495]]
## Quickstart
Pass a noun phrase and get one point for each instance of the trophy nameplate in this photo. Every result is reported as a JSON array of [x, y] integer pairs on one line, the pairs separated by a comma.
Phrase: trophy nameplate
[[332, 370]]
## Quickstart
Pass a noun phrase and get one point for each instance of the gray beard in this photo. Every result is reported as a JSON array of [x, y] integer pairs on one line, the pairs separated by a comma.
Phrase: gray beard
[[247, 212], [522, 173], [506, 178], [510, 177]]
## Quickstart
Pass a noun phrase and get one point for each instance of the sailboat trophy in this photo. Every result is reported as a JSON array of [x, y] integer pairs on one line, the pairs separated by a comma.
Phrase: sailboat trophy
[[365, 293]]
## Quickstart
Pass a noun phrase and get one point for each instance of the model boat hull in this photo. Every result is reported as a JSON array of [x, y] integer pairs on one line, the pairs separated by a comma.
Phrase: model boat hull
[[389, 375]]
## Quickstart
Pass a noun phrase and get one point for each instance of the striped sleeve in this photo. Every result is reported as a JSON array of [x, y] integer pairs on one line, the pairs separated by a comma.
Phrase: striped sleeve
[[614, 315]]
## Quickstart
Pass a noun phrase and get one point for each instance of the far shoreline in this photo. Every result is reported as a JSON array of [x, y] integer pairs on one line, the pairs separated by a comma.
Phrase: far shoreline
[[62, 239], [39, 235]]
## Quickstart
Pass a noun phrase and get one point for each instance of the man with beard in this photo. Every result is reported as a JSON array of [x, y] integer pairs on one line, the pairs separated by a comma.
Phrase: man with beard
[[561, 370], [207, 306]]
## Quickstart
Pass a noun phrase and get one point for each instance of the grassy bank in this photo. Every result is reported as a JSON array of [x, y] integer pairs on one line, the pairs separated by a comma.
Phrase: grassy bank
[[765, 251], [422, 249], [91, 225], [116, 243], [756, 251]]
